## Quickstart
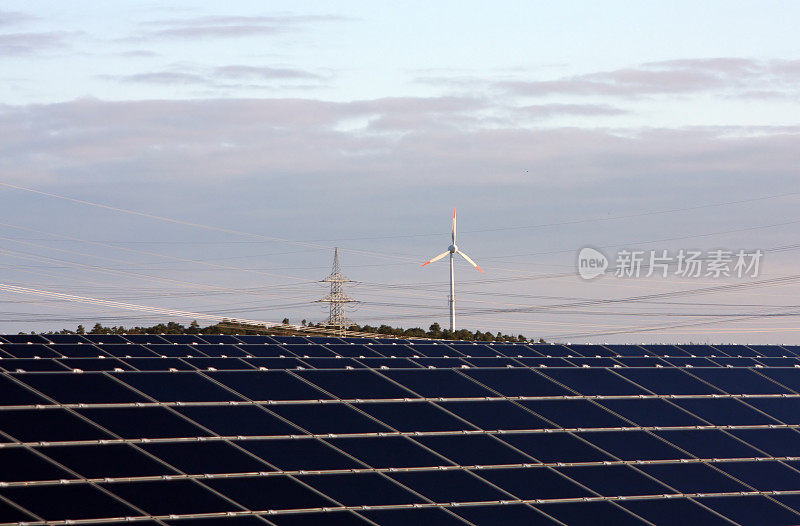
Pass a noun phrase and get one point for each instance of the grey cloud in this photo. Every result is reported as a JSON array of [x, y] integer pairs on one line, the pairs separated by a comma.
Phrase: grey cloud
[[209, 139], [165, 77], [554, 110], [230, 26], [137, 53], [31, 43], [10, 18], [262, 73], [222, 77], [666, 77]]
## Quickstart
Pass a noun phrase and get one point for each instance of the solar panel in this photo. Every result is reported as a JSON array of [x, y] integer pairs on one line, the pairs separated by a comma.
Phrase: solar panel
[[293, 430]]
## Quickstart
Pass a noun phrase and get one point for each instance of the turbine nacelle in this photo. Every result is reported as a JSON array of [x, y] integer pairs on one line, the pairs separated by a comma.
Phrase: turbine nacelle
[[453, 249]]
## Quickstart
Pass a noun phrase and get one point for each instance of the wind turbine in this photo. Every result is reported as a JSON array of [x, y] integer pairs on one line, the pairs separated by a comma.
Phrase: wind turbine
[[452, 250]]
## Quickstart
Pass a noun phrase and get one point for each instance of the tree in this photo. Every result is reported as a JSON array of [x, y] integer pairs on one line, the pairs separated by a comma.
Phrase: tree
[[80, 330]]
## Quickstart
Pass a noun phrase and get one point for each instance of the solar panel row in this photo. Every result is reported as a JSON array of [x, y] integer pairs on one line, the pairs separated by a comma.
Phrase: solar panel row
[[374, 445]]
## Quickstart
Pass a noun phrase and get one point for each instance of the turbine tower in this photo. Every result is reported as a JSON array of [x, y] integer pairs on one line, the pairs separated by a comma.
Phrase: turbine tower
[[337, 298], [452, 250]]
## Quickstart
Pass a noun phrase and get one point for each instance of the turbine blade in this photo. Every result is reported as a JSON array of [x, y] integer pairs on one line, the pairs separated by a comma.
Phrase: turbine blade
[[453, 231], [470, 261], [437, 258]]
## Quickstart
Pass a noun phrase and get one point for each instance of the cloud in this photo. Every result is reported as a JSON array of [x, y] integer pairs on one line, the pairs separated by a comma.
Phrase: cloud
[[165, 77], [230, 26], [444, 140], [10, 18], [263, 73], [222, 76], [555, 110], [15, 44], [137, 53], [684, 76]]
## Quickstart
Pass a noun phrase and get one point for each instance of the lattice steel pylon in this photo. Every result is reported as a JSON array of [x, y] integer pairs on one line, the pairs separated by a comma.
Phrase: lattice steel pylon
[[337, 299]]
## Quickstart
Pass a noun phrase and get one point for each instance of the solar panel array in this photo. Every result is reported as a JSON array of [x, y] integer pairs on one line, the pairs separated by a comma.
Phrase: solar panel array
[[293, 430]]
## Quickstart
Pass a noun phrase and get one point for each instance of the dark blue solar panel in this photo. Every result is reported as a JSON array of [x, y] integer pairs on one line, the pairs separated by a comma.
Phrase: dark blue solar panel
[[755, 510], [176, 351], [58, 502], [632, 445], [664, 350], [450, 486], [405, 516], [18, 464], [95, 364], [81, 388], [667, 381], [575, 413], [475, 350], [105, 338], [145, 339], [421, 416], [555, 447], [552, 350], [306, 350], [171, 497], [711, 443], [591, 514], [438, 383], [308, 453], [13, 393], [241, 411], [268, 385], [32, 350], [774, 351], [266, 351], [355, 384], [25, 338], [724, 411], [158, 364], [775, 442], [143, 422], [328, 418], [534, 483], [245, 420], [764, 476], [353, 351], [693, 478], [368, 488], [182, 387], [206, 457], [128, 350], [702, 350], [517, 382], [674, 511], [740, 381], [221, 350], [474, 450], [389, 452], [78, 351], [52, 425], [614, 481], [590, 350], [492, 415], [21, 365], [651, 412], [112, 460]]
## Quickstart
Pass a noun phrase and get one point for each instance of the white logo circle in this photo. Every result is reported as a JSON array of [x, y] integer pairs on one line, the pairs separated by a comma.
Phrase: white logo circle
[[591, 263]]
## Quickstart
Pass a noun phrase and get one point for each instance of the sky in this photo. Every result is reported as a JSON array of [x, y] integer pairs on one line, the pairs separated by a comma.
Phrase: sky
[[208, 157]]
